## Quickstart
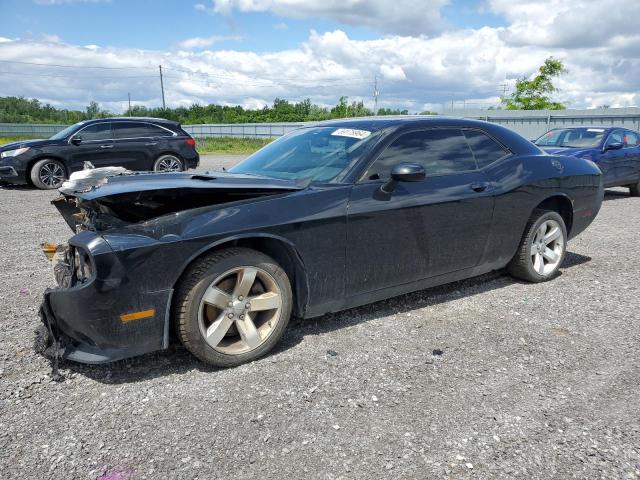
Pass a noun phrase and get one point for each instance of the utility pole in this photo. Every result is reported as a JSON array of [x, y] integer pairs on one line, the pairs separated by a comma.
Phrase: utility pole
[[376, 94], [505, 87], [162, 87], [129, 95]]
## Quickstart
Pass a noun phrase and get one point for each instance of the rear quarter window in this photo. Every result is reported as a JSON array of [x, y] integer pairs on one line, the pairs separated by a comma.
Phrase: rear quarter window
[[484, 148]]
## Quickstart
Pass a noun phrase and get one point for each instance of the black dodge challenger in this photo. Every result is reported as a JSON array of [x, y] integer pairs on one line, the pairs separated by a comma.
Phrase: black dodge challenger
[[327, 218]]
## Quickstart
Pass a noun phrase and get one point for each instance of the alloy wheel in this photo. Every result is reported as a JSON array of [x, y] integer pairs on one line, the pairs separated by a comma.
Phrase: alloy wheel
[[169, 164], [547, 248], [51, 174], [239, 310]]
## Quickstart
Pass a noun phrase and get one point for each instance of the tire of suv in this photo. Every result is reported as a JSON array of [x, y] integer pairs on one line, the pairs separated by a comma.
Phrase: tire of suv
[[634, 190], [47, 174], [232, 306], [542, 248], [168, 163]]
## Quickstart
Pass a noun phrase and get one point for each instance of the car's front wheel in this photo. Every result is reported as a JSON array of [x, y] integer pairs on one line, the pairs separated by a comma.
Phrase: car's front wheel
[[168, 163], [635, 189], [542, 248], [47, 174], [232, 306]]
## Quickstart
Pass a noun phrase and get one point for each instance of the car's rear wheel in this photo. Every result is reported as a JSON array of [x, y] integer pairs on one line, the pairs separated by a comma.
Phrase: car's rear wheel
[[48, 174], [232, 306], [542, 248], [168, 163], [635, 190]]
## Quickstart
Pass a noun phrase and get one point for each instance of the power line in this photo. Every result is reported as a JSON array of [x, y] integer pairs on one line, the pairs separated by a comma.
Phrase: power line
[[75, 76], [73, 66]]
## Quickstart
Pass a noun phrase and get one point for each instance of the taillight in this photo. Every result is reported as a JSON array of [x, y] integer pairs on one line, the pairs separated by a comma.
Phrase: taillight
[[191, 142]]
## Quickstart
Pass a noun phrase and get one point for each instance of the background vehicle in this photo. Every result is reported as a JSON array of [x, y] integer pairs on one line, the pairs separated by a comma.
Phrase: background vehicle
[[615, 150], [133, 143], [324, 219]]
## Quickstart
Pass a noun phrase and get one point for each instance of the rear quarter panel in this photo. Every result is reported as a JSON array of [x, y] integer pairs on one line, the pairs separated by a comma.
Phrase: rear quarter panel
[[521, 183]]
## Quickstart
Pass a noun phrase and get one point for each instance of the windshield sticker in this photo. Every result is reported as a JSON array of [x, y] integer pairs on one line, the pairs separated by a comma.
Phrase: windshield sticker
[[595, 130], [351, 133]]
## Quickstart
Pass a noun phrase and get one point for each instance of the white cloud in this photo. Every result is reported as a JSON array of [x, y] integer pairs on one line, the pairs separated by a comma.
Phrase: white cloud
[[204, 42], [281, 26], [567, 24], [414, 17]]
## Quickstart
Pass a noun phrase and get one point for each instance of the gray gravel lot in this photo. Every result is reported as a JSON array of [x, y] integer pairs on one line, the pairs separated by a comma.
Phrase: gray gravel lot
[[487, 378]]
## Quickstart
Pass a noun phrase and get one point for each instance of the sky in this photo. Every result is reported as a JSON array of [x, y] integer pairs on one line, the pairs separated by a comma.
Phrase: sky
[[425, 55]]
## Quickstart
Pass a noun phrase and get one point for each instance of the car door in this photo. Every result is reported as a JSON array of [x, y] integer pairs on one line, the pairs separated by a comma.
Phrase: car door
[[93, 143], [628, 168], [422, 229], [134, 144], [610, 160]]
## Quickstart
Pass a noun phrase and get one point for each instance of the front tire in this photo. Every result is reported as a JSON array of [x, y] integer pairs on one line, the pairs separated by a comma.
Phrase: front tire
[[232, 306], [168, 163], [634, 190], [542, 248], [47, 174]]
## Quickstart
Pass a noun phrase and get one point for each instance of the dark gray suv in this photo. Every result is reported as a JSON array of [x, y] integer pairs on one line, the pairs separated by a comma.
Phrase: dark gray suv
[[142, 144]]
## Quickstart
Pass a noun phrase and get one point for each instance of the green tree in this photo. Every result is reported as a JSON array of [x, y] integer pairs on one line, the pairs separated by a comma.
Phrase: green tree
[[535, 94]]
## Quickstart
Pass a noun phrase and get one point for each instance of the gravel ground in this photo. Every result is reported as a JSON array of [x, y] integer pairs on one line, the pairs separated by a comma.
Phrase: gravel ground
[[486, 378]]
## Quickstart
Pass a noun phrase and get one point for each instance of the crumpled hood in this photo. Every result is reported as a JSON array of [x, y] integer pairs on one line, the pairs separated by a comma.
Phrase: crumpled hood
[[28, 143], [137, 197], [153, 182]]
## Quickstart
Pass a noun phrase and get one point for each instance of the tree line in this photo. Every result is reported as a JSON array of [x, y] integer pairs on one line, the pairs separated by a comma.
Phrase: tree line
[[25, 110]]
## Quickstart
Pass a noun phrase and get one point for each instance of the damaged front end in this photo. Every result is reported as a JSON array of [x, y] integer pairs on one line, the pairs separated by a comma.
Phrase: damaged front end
[[134, 233]]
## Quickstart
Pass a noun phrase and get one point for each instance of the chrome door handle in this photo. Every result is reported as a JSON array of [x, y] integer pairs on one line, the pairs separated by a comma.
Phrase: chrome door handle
[[106, 146], [150, 144]]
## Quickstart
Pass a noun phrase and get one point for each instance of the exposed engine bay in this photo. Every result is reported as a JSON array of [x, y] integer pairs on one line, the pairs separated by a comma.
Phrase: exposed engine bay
[[84, 207]]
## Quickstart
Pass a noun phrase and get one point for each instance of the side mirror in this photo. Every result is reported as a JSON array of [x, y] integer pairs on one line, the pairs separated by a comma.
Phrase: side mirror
[[76, 140], [404, 172], [614, 146]]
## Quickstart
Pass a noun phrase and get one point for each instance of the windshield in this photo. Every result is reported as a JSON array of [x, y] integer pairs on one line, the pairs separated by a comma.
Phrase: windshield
[[319, 153], [572, 138], [65, 133]]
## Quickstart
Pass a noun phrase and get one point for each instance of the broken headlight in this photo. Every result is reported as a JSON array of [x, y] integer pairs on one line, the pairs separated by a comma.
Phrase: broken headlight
[[81, 265]]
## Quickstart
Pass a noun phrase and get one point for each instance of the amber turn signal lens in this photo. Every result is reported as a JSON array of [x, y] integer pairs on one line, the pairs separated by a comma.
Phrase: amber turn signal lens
[[130, 317], [49, 249]]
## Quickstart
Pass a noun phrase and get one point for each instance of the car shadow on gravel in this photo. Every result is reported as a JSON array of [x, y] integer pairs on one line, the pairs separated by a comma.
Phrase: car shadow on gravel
[[11, 186], [616, 195], [176, 360]]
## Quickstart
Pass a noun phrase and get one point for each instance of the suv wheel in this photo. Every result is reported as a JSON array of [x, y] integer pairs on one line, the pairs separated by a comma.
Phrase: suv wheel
[[232, 306], [48, 174], [168, 163], [635, 190]]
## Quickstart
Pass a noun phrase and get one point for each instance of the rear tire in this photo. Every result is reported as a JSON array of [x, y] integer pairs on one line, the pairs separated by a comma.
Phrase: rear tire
[[542, 248], [47, 174], [232, 306], [634, 190], [168, 163]]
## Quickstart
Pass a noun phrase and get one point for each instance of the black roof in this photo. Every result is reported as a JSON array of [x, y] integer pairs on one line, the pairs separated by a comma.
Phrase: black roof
[[379, 123], [511, 139]]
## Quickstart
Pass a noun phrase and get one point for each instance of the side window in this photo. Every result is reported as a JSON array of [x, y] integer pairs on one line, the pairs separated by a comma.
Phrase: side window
[[97, 131], [439, 150], [484, 148], [617, 136], [137, 130], [630, 139]]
